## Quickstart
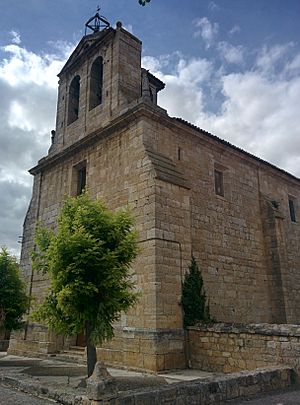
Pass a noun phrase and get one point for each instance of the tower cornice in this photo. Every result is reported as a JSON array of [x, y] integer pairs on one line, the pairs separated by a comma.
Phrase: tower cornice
[[130, 115]]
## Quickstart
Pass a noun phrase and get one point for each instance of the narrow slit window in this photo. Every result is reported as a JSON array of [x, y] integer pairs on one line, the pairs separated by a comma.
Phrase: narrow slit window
[[219, 183], [292, 209], [81, 180]]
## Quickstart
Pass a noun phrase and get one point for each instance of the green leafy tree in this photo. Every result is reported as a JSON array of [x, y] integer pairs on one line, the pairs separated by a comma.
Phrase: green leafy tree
[[88, 260], [143, 2], [194, 298], [13, 299]]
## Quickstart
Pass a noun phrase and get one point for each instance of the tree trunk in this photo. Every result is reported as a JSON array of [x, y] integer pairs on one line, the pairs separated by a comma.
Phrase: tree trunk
[[91, 349]]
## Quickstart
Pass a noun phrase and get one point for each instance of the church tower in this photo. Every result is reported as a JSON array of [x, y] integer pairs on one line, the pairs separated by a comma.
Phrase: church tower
[[106, 124], [101, 79]]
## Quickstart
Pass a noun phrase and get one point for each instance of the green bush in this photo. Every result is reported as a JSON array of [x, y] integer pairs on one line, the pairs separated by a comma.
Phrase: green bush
[[193, 299], [13, 299]]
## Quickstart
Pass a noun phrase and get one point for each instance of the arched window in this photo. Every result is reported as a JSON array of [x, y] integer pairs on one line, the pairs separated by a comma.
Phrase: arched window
[[73, 107], [96, 82]]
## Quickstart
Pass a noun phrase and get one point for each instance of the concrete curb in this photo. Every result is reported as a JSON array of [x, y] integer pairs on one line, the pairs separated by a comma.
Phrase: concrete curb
[[206, 391]]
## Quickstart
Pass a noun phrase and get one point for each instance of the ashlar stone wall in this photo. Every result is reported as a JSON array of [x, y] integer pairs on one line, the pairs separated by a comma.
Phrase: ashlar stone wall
[[244, 241], [235, 347], [120, 173]]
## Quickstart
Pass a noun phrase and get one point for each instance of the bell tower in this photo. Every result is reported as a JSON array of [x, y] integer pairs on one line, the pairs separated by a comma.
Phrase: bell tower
[[107, 119], [101, 78]]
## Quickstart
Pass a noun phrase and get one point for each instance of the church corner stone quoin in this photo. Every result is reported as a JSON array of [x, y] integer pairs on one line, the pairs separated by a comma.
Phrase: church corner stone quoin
[[191, 194]]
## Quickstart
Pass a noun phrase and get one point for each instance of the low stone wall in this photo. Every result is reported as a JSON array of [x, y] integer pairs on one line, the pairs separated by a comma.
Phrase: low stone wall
[[207, 391], [37, 341], [148, 349], [234, 347]]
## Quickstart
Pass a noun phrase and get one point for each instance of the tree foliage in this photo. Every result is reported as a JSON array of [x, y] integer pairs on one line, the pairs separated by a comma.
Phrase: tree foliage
[[193, 298], [88, 260], [13, 299], [143, 2]]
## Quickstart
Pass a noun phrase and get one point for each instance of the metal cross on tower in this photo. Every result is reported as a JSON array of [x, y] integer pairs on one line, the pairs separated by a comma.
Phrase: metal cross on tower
[[97, 22]]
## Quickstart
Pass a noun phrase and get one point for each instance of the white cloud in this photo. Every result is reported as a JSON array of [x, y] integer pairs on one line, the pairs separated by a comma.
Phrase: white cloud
[[230, 53], [212, 6], [183, 95], [235, 30], [206, 30], [260, 106], [128, 27], [18, 118], [15, 37], [61, 49], [293, 67], [269, 57], [151, 63], [24, 67], [194, 71], [28, 88]]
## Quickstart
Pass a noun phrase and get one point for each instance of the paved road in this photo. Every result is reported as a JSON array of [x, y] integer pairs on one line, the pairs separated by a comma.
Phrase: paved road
[[9, 396], [291, 397]]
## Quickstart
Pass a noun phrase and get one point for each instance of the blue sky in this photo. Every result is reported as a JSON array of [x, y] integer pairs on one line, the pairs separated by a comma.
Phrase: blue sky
[[231, 67], [164, 26]]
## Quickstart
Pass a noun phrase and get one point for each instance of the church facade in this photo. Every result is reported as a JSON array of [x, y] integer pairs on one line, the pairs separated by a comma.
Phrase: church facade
[[190, 192]]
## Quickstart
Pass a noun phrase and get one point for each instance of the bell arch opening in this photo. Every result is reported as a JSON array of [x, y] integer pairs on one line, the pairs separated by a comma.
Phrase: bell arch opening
[[96, 83], [73, 105]]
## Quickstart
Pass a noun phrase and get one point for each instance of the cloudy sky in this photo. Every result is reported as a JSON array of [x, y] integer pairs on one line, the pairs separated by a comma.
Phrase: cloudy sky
[[231, 67]]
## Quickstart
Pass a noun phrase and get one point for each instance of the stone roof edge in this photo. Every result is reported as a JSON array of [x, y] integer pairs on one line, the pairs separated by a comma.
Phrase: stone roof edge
[[132, 113], [267, 329], [122, 29], [99, 37], [155, 80], [234, 147], [147, 109]]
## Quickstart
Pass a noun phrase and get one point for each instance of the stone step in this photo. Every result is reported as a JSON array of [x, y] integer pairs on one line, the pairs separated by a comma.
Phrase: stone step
[[72, 355], [70, 358], [77, 348]]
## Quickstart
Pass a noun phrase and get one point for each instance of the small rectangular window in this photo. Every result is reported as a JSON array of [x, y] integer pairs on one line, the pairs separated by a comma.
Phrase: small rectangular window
[[179, 153], [292, 209], [219, 184], [81, 180]]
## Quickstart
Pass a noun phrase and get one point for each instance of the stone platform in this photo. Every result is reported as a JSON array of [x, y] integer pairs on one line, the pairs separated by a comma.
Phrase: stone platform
[[62, 382]]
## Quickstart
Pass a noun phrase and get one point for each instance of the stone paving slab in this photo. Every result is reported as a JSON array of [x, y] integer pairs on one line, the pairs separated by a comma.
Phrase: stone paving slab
[[11, 396], [61, 381]]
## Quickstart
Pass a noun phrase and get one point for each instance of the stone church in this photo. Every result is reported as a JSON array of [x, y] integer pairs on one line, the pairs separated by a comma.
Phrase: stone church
[[191, 193]]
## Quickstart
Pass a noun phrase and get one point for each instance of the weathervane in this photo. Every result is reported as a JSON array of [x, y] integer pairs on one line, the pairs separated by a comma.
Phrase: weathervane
[[97, 22]]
